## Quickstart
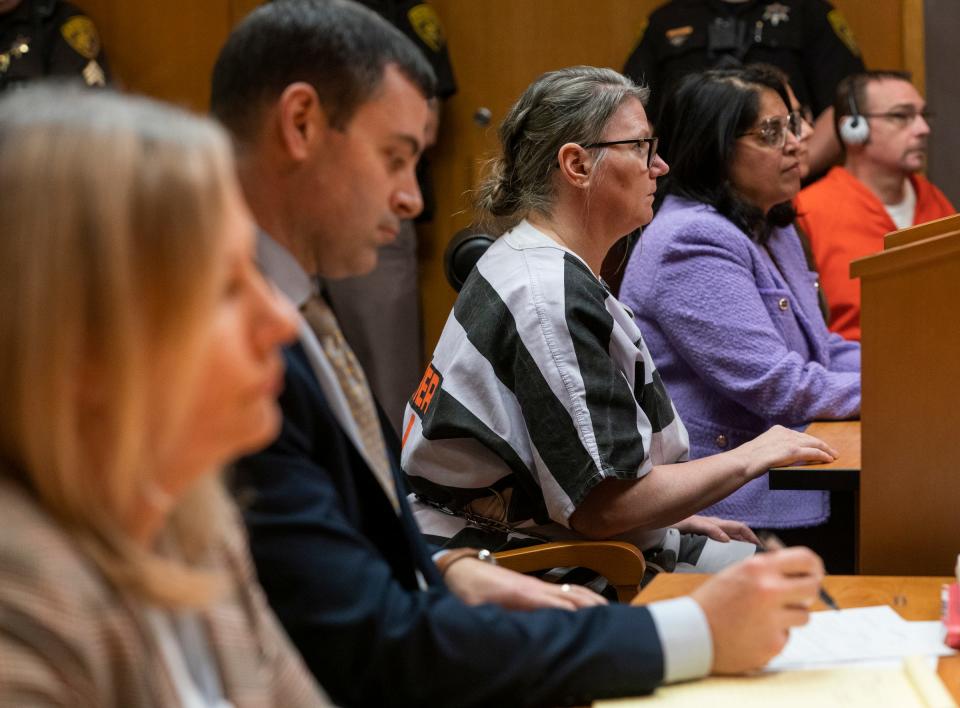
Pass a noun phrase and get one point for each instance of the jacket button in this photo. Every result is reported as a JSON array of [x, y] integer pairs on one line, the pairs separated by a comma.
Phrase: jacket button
[[783, 304], [721, 441]]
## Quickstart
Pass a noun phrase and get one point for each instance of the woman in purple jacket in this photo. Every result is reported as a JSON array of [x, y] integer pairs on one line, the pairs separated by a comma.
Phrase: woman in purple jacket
[[722, 293]]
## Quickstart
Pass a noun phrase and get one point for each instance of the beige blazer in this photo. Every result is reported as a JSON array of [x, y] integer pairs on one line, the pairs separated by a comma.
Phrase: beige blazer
[[68, 638]]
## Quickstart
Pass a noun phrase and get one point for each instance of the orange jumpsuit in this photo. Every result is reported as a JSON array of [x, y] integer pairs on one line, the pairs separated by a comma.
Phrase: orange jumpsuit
[[846, 221]]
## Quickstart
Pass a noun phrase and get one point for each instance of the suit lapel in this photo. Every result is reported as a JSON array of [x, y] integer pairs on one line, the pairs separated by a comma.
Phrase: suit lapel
[[362, 493]]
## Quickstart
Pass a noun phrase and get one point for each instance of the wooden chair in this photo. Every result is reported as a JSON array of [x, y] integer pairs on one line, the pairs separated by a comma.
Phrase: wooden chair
[[620, 563]]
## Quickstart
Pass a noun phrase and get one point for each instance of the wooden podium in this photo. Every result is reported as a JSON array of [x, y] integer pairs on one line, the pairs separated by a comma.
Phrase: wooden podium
[[910, 481]]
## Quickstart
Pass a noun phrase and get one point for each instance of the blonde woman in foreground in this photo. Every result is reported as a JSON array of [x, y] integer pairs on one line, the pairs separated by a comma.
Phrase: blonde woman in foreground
[[138, 353]]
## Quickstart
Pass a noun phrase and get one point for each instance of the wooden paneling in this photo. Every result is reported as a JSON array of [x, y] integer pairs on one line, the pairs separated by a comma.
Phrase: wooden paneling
[[914, 42], [878, 29], [166, 49]]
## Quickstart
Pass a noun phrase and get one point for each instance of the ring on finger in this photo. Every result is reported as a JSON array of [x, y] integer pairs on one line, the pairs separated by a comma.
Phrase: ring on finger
[[565, 587]]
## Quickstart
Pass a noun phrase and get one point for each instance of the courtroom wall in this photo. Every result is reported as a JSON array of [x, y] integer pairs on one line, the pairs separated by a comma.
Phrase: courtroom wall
[[166, 49], [942, 55]]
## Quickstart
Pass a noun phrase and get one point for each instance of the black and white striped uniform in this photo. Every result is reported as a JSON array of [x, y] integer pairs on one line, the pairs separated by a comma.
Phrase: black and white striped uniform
[[540, 388]]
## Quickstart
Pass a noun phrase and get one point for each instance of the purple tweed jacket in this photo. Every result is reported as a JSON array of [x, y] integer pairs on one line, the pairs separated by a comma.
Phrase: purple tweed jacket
[[740, 344]]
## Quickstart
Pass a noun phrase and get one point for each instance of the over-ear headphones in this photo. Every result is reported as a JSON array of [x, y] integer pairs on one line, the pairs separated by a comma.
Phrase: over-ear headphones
[[854, 128]]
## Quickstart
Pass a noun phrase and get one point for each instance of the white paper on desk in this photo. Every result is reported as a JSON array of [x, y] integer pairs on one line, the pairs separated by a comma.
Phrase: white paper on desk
[[863, 634]]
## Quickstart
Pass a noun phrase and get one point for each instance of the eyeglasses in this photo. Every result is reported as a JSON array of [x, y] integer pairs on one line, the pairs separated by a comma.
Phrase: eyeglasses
[[902, 117], [773, 131], [641, 145]]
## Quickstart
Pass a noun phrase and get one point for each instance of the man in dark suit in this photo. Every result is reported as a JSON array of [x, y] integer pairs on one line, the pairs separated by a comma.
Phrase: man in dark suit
[[328, 107]]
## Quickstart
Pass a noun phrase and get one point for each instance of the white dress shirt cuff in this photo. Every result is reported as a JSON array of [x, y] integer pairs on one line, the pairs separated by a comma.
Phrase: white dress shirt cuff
[[685, 638]]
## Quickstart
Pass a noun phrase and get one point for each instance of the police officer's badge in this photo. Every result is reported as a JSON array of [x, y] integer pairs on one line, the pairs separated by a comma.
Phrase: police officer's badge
[[776, 12], [427, 25]]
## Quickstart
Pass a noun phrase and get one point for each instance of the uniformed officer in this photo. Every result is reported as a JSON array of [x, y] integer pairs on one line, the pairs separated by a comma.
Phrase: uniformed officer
[[808, 39], [419, 21], [41, 38], [379, 313]]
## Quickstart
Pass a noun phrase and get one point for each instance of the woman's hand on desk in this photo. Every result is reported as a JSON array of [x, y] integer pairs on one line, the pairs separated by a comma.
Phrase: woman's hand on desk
[[718, 529], [779, 447], [751, 606]]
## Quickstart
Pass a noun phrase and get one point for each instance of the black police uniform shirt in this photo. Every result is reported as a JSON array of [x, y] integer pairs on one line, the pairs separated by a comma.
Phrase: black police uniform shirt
[[419, 22], [808, 39], [42, 38]]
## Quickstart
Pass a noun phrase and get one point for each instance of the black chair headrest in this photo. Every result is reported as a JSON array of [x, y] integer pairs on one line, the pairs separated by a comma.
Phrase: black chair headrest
[[462, 254]]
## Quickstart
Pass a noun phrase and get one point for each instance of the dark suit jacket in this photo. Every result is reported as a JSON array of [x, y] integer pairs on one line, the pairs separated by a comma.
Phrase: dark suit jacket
[[338, 565]]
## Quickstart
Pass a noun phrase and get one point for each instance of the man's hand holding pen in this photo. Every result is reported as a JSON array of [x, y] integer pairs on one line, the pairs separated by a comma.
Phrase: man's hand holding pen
[[769, 593]]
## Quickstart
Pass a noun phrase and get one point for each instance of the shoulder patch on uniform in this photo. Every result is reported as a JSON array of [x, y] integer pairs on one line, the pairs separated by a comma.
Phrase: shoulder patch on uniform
[[81, 34], [423, 396], [426, 24], [843, 31]]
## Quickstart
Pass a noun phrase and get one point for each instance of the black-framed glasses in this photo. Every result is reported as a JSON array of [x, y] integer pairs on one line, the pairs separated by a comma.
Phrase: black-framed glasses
[[641, 145], [902, 117], [773, 131]]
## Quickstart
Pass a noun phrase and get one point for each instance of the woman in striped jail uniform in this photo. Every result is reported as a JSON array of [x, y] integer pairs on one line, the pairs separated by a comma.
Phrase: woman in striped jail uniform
[[541, 415], [138, 353]]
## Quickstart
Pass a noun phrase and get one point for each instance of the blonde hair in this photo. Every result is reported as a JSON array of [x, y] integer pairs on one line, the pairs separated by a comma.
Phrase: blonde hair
[[112, 209]]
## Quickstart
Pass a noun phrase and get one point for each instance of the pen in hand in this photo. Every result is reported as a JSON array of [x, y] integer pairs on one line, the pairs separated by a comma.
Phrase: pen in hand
[[772, 543], [827, 599]]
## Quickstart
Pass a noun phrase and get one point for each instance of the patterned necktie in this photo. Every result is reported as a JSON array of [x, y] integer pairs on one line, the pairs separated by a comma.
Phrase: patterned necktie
[[355, 388]]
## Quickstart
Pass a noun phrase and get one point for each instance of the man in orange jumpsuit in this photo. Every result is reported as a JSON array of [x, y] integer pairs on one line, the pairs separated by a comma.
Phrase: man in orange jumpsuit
[[882, 122]]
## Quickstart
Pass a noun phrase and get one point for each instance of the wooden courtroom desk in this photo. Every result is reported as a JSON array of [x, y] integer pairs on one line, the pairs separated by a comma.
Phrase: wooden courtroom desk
[[842, 479], [908, 494], [916, 598], [841, 475]]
